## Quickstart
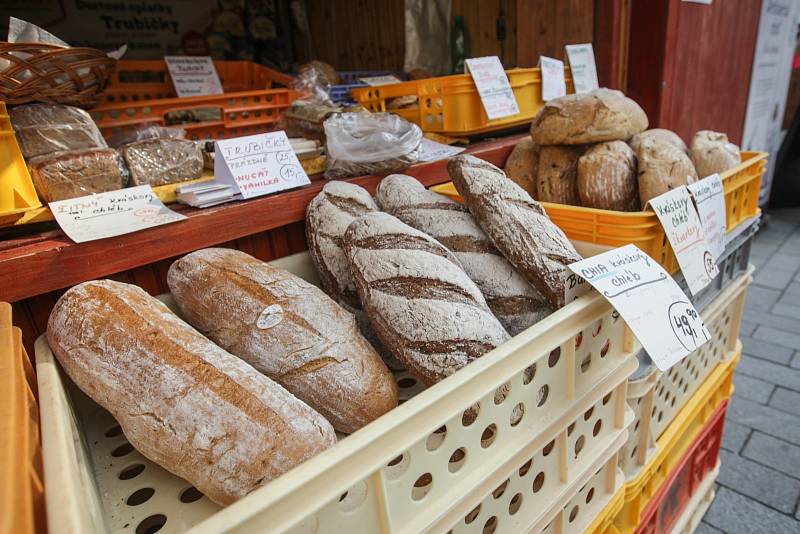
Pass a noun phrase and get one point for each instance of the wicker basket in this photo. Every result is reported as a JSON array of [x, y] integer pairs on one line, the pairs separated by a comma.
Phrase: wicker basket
[[38, 72]]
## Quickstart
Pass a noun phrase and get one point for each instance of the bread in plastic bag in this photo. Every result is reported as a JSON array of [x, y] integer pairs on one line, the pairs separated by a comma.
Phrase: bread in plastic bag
[[145, 131], [163, 161], [361, 144], [77, 173], [46, 128]]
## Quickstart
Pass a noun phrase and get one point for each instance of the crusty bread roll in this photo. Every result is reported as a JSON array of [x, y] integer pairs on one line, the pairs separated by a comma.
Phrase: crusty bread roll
[[523, 164], [182, 401], [607, 177], [662, 167], [517, 224], [557, 179], [422, 305], [712, 153], [593, 117], [512, 299], [288, 329], [660, 134]]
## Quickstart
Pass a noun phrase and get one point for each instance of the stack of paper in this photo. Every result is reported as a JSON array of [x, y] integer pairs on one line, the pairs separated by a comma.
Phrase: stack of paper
[[206, 194]]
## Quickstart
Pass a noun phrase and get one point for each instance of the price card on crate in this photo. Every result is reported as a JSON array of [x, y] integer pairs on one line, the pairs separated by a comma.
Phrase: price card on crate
[[258, 164], [553, 83], [649, 300], [380, 80], [111, 214], [709, 198], [493, 87], [684, 230], [432, 151], [582, 67], [193, 75]]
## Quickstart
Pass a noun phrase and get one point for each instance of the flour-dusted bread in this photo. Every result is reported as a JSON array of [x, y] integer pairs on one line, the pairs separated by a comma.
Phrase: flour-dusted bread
[[512, 299], [163, 160], [557, 179], [77, 173], [420, 302], [593, 117], [523, 164], [288, 329], [46, 128], [517, 224], [662, 167], [182, 401], [607, 177], [712, 153], [660, 134]]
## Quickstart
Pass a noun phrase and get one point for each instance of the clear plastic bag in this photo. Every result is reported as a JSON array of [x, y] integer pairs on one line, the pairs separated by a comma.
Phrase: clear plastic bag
[[163, 161], [148, 131], [77, 173], [46, 128], [314, 81], [360, 144]]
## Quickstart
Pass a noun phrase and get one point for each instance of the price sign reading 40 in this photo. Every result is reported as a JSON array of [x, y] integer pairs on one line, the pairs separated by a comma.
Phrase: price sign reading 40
[[687, 325]]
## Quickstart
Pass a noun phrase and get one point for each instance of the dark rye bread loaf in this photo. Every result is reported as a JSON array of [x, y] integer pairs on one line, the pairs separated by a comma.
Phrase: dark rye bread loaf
[[512, 299], [421, 304], [517, 224], [557, 178], [522, 165]]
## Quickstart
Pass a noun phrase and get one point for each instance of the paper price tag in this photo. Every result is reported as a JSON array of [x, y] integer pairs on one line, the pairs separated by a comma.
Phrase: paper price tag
[[492, 83], [433, 151], [684, 230], [193, 75], [583, 67], [553, 84], [649, 300], [111, 214], [258, 164], [709, 198], [380, 80]]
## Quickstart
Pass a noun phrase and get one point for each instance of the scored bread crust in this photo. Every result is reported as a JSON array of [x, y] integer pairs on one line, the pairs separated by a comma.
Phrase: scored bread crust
[[607, 177], [712, 153], [662, 167], [660, 134], [557, 178], [183, 402]]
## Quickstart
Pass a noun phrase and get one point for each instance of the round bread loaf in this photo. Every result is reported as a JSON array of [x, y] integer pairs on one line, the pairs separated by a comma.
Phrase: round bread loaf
[[523, 164], [182, 401], [593, 117], [662, 167], [327, 72], [607, 177], [712, 153], [660, 134], [557, 179], [288, 329]]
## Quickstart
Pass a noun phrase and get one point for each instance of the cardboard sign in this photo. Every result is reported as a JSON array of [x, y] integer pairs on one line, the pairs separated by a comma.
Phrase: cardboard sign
[[553, 83], [684, 230], [709, 198], [193, 75], [433, 151], [258, 164], [649, 300], [380, 80], [492, 83], [583, 67], [111, 214]]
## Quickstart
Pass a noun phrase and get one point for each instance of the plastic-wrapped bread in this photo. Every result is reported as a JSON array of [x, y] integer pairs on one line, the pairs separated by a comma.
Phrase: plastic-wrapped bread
[[607, 177], [660, 134], [183, 402], [522, 165], [662, 167], [517, 224], [45, 128], [512, 299], [712, 153], [288, 329], [420, 302], [77, 173], [557, 178], [163, 160]]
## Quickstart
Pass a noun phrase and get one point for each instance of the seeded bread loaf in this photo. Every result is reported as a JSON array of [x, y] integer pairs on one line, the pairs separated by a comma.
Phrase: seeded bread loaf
[[46, 128], [712, 153], [659, 134], [607, 177], [163, 160], [421, 304], [288, 329], [517, 224], [662, 167], [183, 402], [557, 179], [512, 299], [77, 173], [522, 165]]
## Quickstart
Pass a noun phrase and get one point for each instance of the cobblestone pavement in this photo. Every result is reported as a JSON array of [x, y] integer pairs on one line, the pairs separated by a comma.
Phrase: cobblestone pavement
[[759, 483]]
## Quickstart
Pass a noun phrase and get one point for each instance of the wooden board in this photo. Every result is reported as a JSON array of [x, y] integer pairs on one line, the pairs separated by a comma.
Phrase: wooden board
[[544, 27], [480, 19]]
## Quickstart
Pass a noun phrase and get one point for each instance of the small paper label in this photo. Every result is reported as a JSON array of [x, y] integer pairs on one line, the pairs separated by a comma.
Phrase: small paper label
[[111, 214], [433, 151], [583, 67], [380, 80], [193, 75], [271, 316], [258, 164], [709, 198], [649, 300], [553, 84], [492, 83], [575, 287]]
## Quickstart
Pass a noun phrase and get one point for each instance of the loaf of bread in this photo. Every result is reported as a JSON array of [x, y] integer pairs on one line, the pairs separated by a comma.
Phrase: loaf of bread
[[45, 128], [512, 299], [288, 329], [423, 306], [163, 160], [712, 153], [557, 179], [77, 173], [662, 167], [523, 164], [593, 117], [660, 134], [607, 177], [183, 402], [517, 224]]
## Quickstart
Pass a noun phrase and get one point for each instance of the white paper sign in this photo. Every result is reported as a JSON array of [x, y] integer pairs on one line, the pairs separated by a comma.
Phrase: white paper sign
[[193, 75], [111, 214], [380, 80], [553, 83], [575, 287], [493, 87], [709, 197], [583, 67], [684, 230], [433, 151], [649, 300], [258, 164]]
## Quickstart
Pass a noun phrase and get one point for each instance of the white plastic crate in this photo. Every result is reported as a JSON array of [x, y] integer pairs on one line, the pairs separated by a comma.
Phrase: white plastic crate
[[641, 445], [419, 467]]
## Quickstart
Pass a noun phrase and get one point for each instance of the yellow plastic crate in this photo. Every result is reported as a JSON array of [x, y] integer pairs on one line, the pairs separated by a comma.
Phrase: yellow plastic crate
[[17, 194], [451, 105]]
